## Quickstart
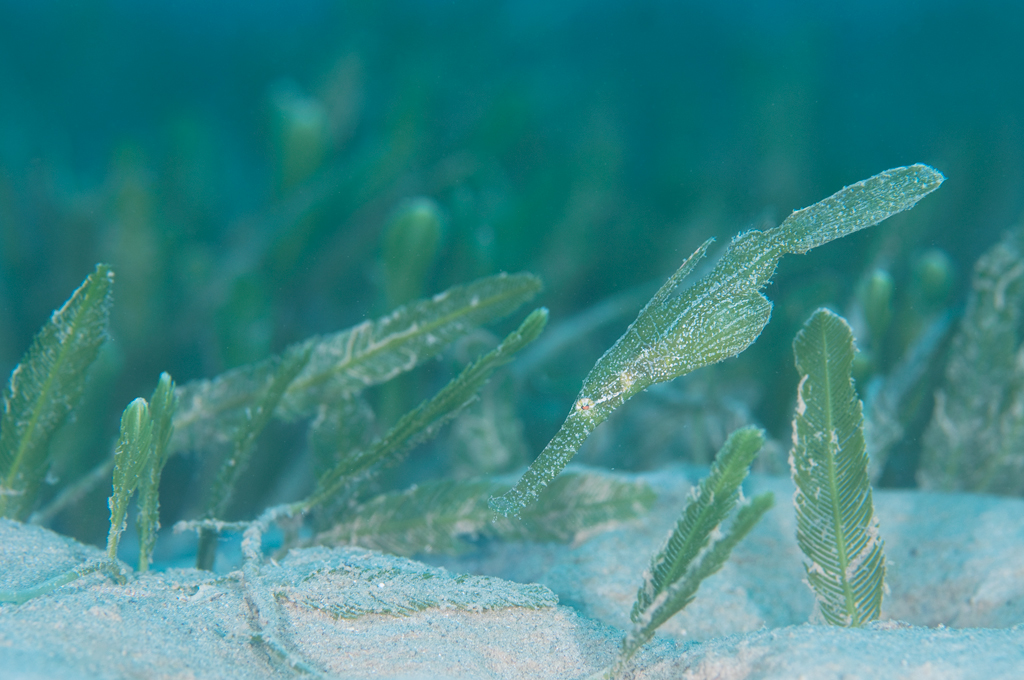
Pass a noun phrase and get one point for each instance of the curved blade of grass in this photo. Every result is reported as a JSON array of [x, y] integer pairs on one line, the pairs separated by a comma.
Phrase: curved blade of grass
[[426, 419], [46, 386], [711, 502], [345, 363], [134, 449], [681, 593], [162, 405], [244, 445], [696, 549]]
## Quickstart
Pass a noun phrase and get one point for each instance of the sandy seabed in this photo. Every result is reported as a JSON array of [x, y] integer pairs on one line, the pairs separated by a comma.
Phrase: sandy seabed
[[954, 609]]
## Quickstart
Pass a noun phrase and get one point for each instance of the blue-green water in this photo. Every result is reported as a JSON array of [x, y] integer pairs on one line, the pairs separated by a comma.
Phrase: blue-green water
[[238, 165]]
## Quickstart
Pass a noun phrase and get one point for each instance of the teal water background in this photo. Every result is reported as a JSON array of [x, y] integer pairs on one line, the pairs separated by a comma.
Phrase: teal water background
[[237, 163]]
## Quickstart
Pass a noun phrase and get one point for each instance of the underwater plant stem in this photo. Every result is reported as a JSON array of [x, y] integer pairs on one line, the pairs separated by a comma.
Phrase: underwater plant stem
[[256, 420], [163, 403], [425, 420], [206, 551], [672, 599], [259, 596], [109, 567]]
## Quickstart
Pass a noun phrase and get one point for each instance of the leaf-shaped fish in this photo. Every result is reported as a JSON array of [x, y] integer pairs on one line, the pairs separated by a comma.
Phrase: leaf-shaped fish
[[717, 317]]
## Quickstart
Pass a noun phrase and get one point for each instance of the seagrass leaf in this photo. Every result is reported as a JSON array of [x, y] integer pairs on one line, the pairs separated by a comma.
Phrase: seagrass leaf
[[131, 456], [162, 405], [697, 547], [575, 502], [46, 386], [286, 368], [438, 517], [836, 526], [375, 352], [710, 503], [243, 444], [345, 363], [717, 317], [425, 420], [682, 592], [975, 441]]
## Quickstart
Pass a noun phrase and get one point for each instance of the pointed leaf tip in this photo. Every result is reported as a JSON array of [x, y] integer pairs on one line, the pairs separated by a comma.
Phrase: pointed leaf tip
[[836, 526], [46, 386]]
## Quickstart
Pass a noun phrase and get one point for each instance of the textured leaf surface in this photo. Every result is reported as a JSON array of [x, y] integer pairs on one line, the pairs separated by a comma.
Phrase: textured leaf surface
[[710, 504], [46, 386], [682, 592], [975, 441], [836, 525], [696, 548], [131, 457], [717, 317], [162, 405], [425, 420], [345, 363]]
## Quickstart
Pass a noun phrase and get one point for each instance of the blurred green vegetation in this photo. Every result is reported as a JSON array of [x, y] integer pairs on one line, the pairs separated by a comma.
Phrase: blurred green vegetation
[[239, 167]]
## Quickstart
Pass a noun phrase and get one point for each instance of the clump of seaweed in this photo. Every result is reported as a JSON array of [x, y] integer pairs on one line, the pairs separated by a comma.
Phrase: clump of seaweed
[[696, 548], [975, 441], [321, 381], [718, 317]]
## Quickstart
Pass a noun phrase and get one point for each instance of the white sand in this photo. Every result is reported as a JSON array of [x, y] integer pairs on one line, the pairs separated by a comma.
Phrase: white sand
[[956, 560]]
